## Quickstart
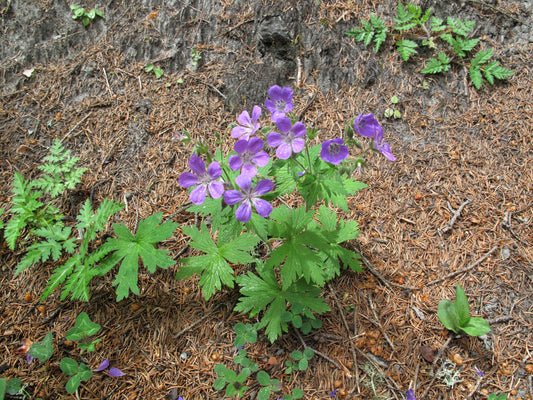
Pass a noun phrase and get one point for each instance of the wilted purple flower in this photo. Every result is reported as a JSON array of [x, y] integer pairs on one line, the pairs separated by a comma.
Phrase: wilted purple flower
[[250, 156], [102, 366], [115, 372], [366, 125], [249, 197], [290, 138], [479, 372], [410, 395], [248, 126], [29, 358], [333, 394], [334, 151], [280, 101], [202, 180], [381, 146]]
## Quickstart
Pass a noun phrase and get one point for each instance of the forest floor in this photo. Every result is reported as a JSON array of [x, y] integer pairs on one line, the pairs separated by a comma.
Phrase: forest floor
[[456, 207]]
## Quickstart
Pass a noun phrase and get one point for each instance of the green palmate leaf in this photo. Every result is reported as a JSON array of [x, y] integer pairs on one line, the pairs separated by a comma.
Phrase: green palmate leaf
[[447, 315], [43, 351], [264, 292], [296, 255], [213, 267], [406, 48], [128, 248], [460, 304], [476, 326]]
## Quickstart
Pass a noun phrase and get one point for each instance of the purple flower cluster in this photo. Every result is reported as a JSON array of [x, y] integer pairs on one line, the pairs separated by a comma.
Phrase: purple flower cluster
[[367, 126]]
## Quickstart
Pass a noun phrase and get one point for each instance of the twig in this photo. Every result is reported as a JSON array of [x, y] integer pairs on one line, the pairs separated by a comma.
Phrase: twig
[[463, 270], [500, 320], [213, 88], [378, 323], [345, 323], [319, 353], [371, 268], [236, 26], [197, 322], [107, 83], [455, 216], [75, 126]]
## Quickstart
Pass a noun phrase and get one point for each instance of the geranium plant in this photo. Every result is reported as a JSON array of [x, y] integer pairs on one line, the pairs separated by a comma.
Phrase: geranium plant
[[289, 252]]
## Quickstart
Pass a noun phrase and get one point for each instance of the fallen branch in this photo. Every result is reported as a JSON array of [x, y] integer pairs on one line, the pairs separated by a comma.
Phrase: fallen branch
[[455, 216], [463, 270]]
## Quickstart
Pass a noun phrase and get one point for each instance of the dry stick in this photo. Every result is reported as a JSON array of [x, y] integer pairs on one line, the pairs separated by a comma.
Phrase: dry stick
[[107, 83], [75, 126], [345, 323], [318, 353], [191, 326], [463, 270], [371, 268], [455, 215], [378, 323], [439, 355]]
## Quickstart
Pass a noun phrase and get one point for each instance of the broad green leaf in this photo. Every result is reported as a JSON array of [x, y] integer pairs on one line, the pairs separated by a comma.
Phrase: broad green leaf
[[73, 384], [263, 378], [69, 366], [85, 372], [460, 304], [43, 351], [83, 327], [476, 326], [13, 387], [447, 315], [264, 393]]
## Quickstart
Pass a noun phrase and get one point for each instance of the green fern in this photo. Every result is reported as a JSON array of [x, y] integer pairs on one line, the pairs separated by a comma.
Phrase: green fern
[[481, 67], [372, 30], [406, 48], [436, 65]]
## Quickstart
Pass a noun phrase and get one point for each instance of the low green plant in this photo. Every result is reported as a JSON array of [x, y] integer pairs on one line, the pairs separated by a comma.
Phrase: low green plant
[[158, 72], [437, 32], [83, 329], [86, 16], [456, 316], [301, 361], [13, 387], [195, 57], [33, 212], [501, 396], [392, 111]]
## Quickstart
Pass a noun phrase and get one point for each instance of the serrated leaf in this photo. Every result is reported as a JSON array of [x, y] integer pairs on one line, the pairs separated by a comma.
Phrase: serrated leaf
[[475, 76], [481, 57], [436, 65], [406, 48]]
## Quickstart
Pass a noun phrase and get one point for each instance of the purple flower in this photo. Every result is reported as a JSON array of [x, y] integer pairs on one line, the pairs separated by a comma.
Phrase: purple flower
[[290, 140], [366, 125], [114, 372], [249, 197], [29, 358], [381, 146], [333, 151], [102, 366], [280, 101], [248, 126], [250, 156], [202, 180], [334, 393], [410, 395], [479, 372]]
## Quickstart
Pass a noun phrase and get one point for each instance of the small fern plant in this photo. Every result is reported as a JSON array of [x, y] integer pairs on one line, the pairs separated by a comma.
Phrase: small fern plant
[[48, 239], [449, 39]]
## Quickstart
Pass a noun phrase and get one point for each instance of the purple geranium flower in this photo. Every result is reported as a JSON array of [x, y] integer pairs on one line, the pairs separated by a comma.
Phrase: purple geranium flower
[[366, 125], [248, 126], [334, 151], [202, 180], [410, 395], [290, 140], [381, 146], [249, 197], [250, 156], [280, 101], [114, 372]]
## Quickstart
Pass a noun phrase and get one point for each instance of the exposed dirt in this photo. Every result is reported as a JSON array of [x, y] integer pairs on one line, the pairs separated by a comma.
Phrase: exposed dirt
[[453, 144]]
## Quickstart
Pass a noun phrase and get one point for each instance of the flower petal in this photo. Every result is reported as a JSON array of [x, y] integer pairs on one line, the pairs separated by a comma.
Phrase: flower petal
[[284, 124], [274, 92], [254, 145], [270, 105], [286, 94], [188, 179], [264, 186], [298, 129], [244, 119], [214, 170], [216, 189], [256, 113], [116, 372], [198, 194], [284, 151], [274, 139], [241, 146], [235, 162], [197, 165], [298, 145], [232, 197], [261, 159], [244, 212], [263, 207], [102, 366], [384, 149], [244, 182], [249, 170]]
